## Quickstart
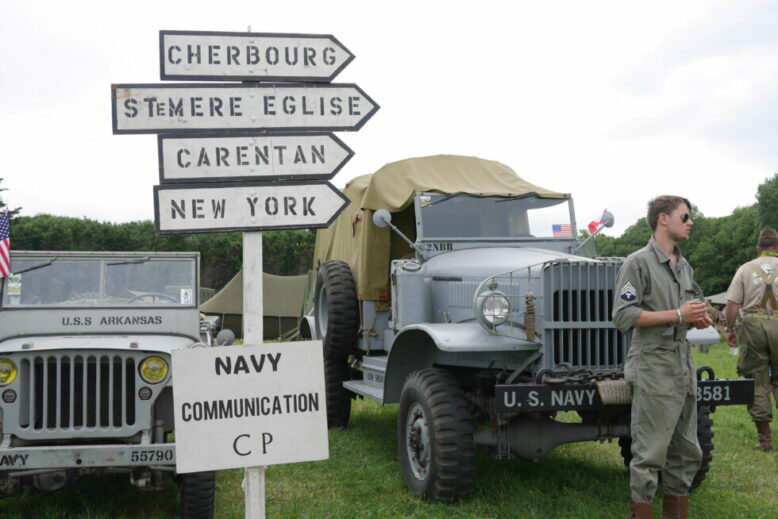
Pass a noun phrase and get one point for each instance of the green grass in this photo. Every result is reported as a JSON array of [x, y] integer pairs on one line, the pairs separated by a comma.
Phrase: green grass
[[362, 479]]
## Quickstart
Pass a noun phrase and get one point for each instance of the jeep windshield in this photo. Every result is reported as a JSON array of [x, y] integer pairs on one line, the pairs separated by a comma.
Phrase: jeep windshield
[[466, 216], [113, 281]]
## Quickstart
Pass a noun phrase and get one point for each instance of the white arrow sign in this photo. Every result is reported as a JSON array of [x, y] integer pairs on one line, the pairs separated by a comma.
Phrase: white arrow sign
[[249, 206], [247, 56], [202, 107], [250, 156]]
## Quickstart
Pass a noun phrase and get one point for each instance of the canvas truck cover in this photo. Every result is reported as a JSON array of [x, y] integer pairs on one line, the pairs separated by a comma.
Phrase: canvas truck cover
[[366, 248]]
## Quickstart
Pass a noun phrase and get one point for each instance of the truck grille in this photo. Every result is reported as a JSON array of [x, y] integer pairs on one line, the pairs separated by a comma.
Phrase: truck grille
[[77, 391], [577, 311]]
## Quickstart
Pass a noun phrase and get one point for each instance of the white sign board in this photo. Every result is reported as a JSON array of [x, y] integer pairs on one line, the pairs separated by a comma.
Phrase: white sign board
[[247, 56], [249, 406], [250, 156], [233, 206], [202, 107]]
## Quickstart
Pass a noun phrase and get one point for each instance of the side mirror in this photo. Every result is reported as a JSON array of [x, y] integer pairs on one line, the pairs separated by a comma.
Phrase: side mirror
[[382, 218], [225, 337], [607, 219]]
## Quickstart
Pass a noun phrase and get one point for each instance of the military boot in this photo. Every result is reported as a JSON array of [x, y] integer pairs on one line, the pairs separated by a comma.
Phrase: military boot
[[675, 507], [765, 440], [641, 511]]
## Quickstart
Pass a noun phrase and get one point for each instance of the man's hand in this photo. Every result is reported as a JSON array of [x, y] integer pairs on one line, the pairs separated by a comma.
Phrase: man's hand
[[732, 339], [695, 313]]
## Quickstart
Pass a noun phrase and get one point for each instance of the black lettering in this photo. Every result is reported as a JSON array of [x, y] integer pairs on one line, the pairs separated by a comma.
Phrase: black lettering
[[290, 60], [240, 155], [280, 150], [252, 203], [196, 105], [309, 56], [252, 55], [235, 106], [270, 105], [317, 154], [175, 109], [305, 107], [241, 365], [186, 411], [181, 163], [216, 106], [203, 159], [197, 208], [328, 56], [193, 54], [308, 206], [288, 105], [170, 57], [177, 209], [218, 208], [213, 54], [271, 55], [221, 156], [289, 203], [353, 105], [271, 205], [130, 106], [299, 156], [261, 155], [232, 55], [274, 361], [335, 104], [150, 101]]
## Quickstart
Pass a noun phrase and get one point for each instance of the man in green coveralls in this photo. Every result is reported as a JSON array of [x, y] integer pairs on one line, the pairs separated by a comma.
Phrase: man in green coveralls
[[752, 295], [656, 301]]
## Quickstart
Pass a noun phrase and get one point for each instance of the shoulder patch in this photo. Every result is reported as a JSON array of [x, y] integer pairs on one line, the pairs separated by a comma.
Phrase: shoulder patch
[[628, 292]]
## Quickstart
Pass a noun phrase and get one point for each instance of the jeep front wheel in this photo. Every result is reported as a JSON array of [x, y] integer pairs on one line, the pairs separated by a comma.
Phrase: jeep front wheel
[[435, 437]]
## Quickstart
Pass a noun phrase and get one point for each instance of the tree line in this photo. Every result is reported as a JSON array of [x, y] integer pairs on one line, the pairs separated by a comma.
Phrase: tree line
[[716, 248]]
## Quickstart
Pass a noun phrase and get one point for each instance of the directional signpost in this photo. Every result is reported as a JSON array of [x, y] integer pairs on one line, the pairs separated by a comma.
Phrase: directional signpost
[[246, 156], [231, 156]]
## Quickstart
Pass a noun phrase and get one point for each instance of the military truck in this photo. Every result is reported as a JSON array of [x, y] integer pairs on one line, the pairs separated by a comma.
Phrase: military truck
[[85, 370], [458, 290]]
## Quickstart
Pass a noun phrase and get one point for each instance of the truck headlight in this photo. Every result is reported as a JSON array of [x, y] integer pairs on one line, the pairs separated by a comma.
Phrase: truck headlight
[[153, 369], [7, 371], [493, 308]]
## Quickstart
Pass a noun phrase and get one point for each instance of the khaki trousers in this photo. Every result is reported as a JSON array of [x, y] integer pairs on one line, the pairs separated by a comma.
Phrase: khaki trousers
[[664, 418], [758, 358]]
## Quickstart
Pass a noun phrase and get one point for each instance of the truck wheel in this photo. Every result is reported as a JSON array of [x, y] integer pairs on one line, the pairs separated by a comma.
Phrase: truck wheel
[[338, 397], [197, 493], [704, 437], [435, 437], [335, 308]]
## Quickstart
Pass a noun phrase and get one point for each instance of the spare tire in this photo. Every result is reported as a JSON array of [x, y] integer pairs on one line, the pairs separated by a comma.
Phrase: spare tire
[[337, 324], [336, 309]]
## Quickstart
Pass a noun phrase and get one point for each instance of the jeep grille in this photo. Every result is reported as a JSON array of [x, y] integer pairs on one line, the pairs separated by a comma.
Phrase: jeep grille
[[78, 394]]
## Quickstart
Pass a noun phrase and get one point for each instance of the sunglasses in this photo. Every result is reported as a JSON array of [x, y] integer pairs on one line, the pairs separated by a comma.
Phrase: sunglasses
[[685, 217]]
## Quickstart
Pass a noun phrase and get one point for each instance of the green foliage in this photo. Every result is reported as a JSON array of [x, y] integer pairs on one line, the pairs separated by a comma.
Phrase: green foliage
[[767, 202], [287, 252]]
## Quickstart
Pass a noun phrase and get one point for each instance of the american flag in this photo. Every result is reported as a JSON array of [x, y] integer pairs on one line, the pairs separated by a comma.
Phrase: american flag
[[562, 230], [5, 246]]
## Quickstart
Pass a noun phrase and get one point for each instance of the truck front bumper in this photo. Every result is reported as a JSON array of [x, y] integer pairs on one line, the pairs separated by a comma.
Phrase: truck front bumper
[[61, 457]]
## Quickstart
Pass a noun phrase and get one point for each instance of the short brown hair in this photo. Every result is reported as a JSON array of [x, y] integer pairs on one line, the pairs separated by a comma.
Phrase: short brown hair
[[768, 238], [664, 204]]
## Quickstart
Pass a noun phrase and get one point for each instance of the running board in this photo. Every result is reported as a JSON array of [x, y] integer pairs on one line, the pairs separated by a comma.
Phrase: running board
[[360, 388]]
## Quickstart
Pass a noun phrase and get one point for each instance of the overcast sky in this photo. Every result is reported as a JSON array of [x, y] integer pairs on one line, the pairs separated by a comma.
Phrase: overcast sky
[[614, 102]]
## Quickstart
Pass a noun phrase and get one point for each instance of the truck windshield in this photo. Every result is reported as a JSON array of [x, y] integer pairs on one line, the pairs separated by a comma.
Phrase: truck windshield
[[99, 282], [467, 216]]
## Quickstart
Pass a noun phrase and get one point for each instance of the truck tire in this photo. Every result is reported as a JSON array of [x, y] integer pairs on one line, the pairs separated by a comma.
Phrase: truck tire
[[336, 309], [337, 324], [435, 437], [704, 437], [197, 494]]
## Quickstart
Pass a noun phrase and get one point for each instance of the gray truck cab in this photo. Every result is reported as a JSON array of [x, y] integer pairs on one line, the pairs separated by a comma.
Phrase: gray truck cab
[[455, 288], [85, 368]]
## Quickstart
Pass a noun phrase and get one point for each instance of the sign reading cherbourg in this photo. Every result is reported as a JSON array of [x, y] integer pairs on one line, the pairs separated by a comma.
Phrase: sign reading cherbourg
[[207, 55]]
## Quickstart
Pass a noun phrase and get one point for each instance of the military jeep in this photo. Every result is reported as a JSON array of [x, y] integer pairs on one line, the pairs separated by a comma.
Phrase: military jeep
[[455, 288], [85, 370]]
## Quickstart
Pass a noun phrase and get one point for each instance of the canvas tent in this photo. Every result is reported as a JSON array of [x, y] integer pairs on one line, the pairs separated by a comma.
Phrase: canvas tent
[[369, 249], [283, 300]]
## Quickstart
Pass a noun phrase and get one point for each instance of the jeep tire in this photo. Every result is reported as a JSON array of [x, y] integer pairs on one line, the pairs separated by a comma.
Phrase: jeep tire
[[337, 324], [435, 437], [197, 494], [704, 437]]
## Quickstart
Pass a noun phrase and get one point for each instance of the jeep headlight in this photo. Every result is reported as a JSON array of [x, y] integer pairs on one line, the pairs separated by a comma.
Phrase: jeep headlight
[[8, 371], [493, 308], [153, 369]]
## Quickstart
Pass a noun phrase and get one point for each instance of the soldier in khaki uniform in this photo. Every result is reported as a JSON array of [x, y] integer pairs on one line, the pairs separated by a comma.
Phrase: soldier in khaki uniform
[[752, 295], [655, 300]]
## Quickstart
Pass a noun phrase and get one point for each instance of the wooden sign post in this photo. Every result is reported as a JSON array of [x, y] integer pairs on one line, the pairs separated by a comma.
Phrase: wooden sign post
[[246, 156]]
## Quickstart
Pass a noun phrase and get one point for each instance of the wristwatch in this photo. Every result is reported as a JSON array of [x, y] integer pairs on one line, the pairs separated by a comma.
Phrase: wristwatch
[[729, 330]]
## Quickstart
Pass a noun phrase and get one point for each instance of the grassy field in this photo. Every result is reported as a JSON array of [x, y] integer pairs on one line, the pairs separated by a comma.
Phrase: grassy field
[[362, 479]]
